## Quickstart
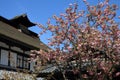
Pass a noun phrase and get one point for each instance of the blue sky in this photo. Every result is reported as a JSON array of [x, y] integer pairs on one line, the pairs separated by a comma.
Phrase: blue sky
[[39, 10]]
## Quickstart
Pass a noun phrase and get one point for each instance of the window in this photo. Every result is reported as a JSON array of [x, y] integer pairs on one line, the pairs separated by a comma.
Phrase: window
[[22, 62], [19, 61], [4, 57], [25, 63]]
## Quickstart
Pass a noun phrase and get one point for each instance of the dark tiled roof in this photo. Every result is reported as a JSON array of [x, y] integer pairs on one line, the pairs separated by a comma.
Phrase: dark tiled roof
[[49, 69], [22, 19]]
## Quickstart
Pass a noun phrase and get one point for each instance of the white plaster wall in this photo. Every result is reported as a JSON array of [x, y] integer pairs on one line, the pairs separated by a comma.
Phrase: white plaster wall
[[27, 52], [4, 45], [13, 59], [17, 49], [4, 57]]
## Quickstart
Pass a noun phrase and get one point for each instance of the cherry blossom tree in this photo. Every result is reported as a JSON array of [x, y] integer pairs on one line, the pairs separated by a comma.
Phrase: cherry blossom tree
[[87, 41]]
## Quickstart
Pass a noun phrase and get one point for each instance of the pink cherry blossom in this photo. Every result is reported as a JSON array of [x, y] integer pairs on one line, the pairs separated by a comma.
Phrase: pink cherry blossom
[[88, 39]]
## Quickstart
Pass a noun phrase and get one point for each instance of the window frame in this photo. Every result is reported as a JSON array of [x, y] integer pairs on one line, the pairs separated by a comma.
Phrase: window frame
[[19, 61], [17, 54]]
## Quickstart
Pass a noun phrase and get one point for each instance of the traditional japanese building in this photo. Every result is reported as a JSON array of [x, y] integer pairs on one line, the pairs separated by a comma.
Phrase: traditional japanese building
[[16, 42]]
